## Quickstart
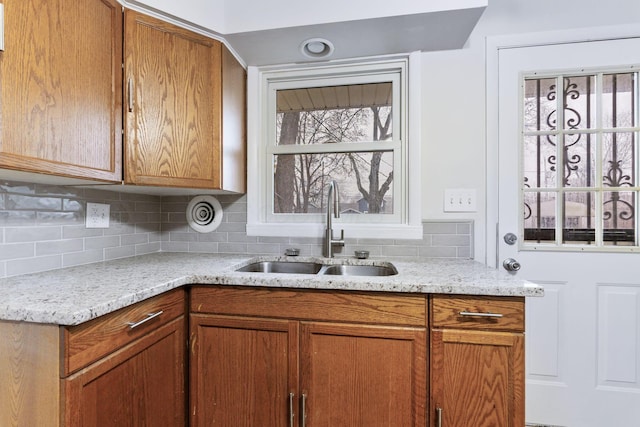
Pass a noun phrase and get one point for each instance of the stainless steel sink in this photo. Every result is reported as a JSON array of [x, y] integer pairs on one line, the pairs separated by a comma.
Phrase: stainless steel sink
[[360, 270], [282, 267]]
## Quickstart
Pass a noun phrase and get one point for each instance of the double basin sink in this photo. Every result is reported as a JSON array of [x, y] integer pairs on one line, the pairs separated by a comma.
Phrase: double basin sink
[[317, 268]]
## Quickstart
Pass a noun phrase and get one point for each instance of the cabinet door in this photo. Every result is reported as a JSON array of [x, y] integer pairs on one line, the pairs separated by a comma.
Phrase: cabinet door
[[172, 106], [242, 371], [140, 385], [363, 376], [60, 88], [477, 378]]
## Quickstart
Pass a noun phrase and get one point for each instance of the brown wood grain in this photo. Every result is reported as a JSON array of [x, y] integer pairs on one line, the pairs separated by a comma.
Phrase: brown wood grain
[[445, 312], [88, 342], [242, 370], [141, 384], [360, 375], [365, 307], [173, 133], [29, 374], [234, 124], [477, 378], [60, 88]]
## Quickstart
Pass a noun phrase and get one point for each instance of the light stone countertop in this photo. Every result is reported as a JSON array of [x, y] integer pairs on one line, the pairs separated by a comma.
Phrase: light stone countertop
[[75, 295]]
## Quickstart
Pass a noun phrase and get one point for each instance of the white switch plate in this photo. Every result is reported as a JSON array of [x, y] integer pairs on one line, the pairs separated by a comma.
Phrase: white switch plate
[[460, 200], [97, 215]]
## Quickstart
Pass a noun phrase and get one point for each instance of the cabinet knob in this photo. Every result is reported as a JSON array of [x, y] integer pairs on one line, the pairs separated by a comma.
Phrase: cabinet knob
[[438, 417]]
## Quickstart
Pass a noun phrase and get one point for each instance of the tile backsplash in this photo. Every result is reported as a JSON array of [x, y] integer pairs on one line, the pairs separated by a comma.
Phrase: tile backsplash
[[42, 227], [440, 239]]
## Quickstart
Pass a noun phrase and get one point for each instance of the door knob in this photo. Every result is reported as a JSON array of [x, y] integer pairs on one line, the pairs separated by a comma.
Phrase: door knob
[[511, 264]]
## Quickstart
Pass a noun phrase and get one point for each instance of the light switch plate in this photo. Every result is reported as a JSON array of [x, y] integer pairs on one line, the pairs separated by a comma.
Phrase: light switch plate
[[97, 215], [460, 200]]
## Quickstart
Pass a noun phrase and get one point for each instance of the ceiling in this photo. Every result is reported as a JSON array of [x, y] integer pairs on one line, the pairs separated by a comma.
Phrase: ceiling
[[367, 37], [331, 97], [268, 32]]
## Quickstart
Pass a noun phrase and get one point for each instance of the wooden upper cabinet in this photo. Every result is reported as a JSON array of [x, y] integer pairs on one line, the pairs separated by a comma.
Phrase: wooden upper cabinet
[[60, 88], [175, 107]]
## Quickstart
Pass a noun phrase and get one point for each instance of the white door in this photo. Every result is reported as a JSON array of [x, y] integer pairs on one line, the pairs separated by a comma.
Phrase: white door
[[583, 337]]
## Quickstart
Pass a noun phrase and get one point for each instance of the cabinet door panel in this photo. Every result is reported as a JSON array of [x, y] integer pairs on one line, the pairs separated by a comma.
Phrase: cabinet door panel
[[60, 88], [242, 371], [356, 375], [173, 110], [477, 378], [139, 385]]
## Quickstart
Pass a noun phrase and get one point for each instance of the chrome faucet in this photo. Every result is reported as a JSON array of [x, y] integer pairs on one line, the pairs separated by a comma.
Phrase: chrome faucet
[[333, 202]]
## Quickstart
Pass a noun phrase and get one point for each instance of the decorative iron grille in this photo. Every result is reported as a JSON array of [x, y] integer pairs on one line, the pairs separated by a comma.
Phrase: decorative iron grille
[[580, 159]]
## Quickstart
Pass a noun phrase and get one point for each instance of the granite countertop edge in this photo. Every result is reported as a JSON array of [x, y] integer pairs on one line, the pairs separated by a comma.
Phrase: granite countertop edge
[[74, 295]]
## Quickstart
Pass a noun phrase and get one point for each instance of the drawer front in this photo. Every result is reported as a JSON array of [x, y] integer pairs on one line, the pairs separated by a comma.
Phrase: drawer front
[[333, 306], [90, 341], [494, 313]]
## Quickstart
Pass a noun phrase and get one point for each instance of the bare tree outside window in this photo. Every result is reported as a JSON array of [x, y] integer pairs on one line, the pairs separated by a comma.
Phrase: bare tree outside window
[[349, 119]]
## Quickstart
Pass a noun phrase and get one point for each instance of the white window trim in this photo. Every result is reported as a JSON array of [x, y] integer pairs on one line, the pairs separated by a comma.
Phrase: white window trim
[[407, 226]]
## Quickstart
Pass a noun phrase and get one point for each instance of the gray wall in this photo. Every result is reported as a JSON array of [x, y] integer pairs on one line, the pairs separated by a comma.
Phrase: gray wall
[[42, 228]]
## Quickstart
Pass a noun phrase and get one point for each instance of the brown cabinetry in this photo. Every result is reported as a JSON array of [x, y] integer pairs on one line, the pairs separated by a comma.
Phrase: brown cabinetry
[[101, 373], [330, 358], [477, 361], [60, 88], [184, 108]]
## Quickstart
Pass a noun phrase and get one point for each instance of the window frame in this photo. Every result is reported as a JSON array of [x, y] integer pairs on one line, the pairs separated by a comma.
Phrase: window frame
[[263, 82], [598, 189]]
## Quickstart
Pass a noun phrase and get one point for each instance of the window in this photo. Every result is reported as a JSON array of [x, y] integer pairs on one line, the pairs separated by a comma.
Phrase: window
[[580, 159], [346, 122]]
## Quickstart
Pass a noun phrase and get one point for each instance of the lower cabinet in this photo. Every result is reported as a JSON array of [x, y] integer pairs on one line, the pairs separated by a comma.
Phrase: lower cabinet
[[140, 385], [124, 369], [272, 358], [477, 362], [307, 358]]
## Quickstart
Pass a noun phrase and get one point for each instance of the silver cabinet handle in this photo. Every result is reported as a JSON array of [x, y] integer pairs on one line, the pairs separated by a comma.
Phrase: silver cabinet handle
[[133, 325], [471, 314], [303, 415], [1, 26], [291, 396], [130, 94], [438, 417]]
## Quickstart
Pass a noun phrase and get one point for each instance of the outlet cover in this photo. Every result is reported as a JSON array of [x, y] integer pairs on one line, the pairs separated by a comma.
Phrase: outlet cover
[[97, 215], [460, 200]]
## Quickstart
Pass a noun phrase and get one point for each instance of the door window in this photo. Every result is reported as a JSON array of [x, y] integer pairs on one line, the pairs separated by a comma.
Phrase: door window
[[580, 160]]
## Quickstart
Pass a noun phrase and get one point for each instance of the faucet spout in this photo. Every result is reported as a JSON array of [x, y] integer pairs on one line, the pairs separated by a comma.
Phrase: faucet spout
[[333, 203]]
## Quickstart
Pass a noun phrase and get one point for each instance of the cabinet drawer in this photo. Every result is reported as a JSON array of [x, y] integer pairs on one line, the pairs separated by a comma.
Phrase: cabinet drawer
[[333, 306], [495, 313], [90, 341]]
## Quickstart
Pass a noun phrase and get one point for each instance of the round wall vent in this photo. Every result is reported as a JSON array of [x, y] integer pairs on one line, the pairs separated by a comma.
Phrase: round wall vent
[[204, 214]]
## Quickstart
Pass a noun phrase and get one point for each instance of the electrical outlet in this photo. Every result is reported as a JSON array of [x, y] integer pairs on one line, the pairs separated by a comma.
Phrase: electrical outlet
[[97, 215], [460, 200]]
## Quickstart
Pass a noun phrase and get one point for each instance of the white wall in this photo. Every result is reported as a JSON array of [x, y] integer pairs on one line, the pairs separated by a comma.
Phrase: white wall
[[453, 89], [235, 16]]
